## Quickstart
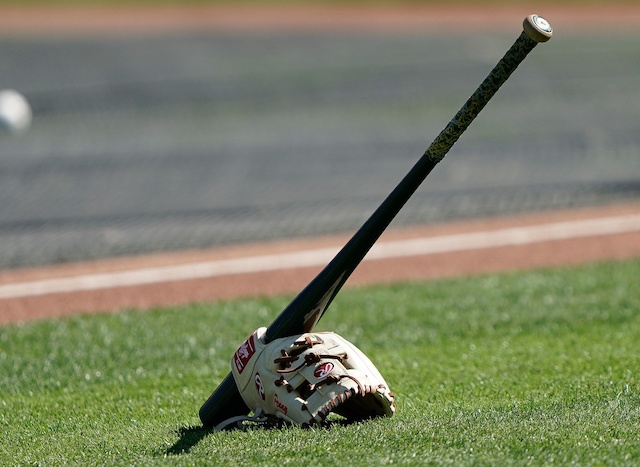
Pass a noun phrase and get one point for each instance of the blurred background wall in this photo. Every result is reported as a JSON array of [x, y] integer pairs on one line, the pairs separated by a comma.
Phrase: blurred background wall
[[160, 128]]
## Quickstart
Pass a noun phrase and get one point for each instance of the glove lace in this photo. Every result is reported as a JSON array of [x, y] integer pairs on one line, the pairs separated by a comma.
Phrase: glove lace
[[286, 360]]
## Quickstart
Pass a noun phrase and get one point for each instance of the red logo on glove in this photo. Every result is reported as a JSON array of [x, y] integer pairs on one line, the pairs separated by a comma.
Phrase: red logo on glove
[[323, 370], [279, 404], [259, 385], [244, 353]]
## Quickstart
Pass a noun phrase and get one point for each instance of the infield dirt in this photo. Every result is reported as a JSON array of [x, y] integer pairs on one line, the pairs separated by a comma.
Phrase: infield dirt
[[144, 19]]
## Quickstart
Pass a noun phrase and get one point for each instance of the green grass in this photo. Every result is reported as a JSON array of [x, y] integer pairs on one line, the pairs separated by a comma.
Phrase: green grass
[[531, 368]]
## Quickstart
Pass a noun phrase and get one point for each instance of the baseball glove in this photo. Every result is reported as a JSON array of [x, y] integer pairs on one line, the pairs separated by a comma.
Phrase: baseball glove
[[302, 379]]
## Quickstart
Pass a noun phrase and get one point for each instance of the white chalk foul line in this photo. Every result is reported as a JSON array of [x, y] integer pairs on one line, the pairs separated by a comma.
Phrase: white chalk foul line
[[321, 256]]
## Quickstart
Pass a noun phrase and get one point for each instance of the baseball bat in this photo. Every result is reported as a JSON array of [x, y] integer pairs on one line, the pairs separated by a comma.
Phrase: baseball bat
[[306, 309]]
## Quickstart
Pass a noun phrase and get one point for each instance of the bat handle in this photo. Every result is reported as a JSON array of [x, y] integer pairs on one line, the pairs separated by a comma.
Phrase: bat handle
[[535, 29], [224, 403]]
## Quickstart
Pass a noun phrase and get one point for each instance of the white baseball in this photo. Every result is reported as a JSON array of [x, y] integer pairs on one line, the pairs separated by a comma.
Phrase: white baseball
[[15, 111]]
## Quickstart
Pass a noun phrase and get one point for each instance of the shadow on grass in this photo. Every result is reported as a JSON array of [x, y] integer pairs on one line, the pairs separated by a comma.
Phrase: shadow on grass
[[189, 437], [192, 435]]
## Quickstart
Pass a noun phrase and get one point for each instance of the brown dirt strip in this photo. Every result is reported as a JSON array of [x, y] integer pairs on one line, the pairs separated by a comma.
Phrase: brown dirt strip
[[288, 281], [144, 19]]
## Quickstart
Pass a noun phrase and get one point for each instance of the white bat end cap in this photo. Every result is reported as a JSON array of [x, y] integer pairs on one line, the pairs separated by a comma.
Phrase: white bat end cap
[[537, 28]]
